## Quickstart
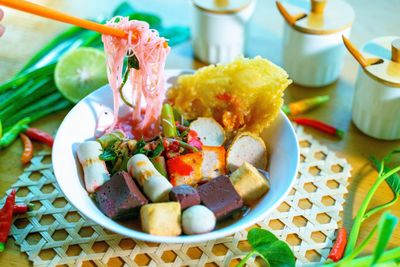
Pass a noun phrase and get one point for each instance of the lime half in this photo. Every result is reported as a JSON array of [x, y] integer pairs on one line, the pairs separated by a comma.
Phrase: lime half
[[80, 72]]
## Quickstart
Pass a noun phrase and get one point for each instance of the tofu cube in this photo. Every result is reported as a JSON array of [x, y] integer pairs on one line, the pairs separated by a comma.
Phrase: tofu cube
[[120, 197], [249, 183], [163, 219], [213, 164], [220, 197], [185, 169]]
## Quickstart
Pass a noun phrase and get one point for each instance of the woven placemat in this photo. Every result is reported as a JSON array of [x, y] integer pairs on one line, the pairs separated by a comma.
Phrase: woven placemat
[[54, 233]]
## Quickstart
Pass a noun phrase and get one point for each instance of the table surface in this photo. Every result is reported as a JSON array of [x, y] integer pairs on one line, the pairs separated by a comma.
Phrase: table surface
[[26, 34]]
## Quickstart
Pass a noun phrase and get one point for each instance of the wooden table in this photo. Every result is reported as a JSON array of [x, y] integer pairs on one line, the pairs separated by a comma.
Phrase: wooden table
[[26, 34]]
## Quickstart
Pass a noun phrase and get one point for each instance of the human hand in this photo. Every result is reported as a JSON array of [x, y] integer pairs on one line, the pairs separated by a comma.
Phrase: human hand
[[1, 26]]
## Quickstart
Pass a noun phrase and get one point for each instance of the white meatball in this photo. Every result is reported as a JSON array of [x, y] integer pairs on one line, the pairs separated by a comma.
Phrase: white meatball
[[198, 219]]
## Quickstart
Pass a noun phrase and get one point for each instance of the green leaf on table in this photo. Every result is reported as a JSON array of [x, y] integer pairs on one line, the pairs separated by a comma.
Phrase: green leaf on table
[[260, 237], [274, 251], [386, 226]]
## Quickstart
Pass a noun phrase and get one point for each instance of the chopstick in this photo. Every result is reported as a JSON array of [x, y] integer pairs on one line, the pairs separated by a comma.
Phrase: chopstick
[[53, 14]]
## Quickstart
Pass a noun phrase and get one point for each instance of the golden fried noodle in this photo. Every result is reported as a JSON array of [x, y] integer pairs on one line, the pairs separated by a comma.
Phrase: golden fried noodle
[[244, 95]]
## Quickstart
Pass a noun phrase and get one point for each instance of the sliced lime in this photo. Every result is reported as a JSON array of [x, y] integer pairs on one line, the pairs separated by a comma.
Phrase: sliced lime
[[80, 72]]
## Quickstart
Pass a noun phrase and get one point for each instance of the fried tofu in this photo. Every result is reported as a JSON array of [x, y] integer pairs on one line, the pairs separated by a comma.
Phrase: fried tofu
[[249, 183], [185, 169], [213, 164], [162, 219]]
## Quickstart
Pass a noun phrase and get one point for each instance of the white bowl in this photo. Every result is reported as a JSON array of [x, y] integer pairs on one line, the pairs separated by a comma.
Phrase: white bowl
[[79, 125]]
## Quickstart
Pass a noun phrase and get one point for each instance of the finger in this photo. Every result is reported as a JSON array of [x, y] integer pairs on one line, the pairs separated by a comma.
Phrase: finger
[[1, 14], [1, 30]]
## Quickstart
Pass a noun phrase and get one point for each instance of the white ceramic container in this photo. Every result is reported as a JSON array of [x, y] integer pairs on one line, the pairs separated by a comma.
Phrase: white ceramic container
[[376, 102], [312, 45], [219, 31], [80, 124]]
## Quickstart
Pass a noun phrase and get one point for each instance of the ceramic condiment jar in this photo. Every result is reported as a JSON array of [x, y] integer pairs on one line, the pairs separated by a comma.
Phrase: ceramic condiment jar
[[376, 102], [312, 46], [219, 29]]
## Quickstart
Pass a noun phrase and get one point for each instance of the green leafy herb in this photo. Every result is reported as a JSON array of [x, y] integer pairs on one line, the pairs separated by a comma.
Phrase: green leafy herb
[[108, 154], [157, 151], [272, 250]]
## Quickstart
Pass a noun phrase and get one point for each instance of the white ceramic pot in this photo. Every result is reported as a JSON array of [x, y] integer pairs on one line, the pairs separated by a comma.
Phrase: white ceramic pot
[[312, 45], [376, 102], [313, 60], [220, 37], [376, 108]]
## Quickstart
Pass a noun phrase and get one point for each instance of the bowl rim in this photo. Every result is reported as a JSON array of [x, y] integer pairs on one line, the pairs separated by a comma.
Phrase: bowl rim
[[215, 234]]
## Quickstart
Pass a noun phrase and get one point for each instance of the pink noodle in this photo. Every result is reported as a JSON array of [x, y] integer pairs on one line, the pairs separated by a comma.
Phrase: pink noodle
[[148, 81]]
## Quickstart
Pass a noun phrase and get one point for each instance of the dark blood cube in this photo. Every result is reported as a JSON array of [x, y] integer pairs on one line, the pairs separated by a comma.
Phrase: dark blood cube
[[120, 197], [220, 196], [186, 195]]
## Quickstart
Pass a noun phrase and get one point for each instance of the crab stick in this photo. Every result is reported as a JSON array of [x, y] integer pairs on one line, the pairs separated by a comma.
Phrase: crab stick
[[155, 186], [94, 169]]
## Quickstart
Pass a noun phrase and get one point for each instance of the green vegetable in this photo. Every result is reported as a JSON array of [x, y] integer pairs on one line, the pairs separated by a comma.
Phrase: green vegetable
[[110, 138], [386, 226], [10, 135], [385, 229], [168, 121], [157, 151], [385, 172], [159, 164], [272, 250]]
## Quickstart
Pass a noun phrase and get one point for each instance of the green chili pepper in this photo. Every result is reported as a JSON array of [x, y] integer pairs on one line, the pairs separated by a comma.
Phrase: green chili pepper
[[14, 131]]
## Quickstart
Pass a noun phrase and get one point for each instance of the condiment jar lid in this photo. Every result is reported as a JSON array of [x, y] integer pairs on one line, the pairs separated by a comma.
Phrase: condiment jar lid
[[386, 70], [222, 6], [320, 16]]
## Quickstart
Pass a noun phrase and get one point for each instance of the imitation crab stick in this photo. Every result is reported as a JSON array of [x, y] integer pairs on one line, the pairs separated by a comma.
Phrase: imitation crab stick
[[95, 170], [155, 186]]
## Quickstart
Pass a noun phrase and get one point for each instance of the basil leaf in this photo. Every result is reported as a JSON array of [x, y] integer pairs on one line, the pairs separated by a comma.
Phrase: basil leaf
[[260, 237], [277, 254], [386, 226], [274, 251]]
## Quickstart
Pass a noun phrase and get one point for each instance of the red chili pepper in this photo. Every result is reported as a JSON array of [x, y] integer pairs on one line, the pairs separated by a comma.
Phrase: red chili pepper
[[41, 136], [319, 125], [22, 208], [6, 214], [339, 246], [27, 154]]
